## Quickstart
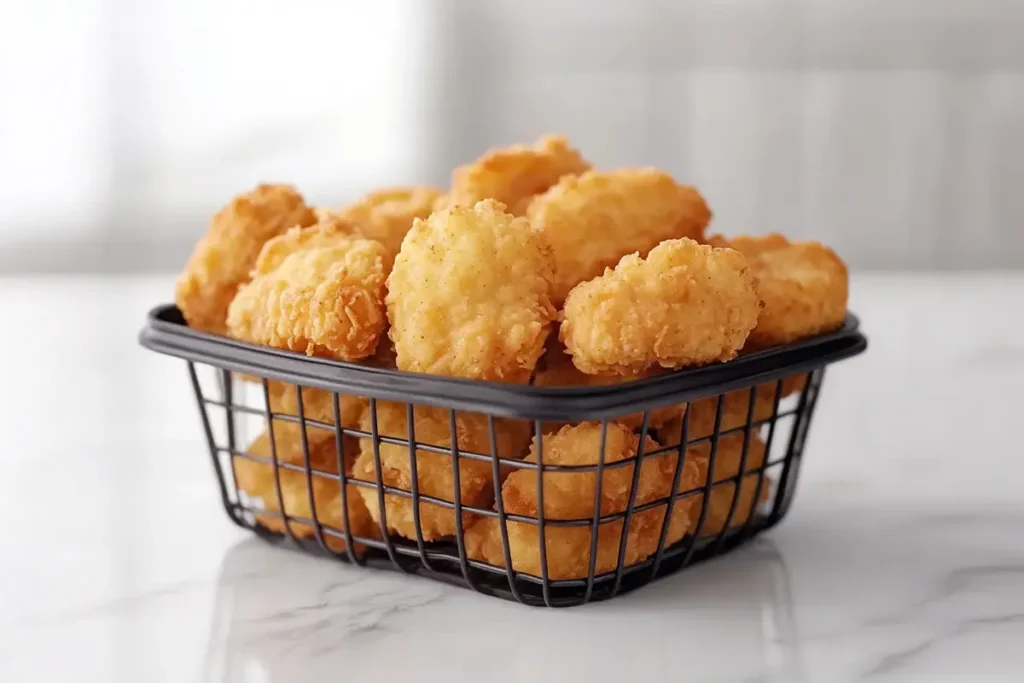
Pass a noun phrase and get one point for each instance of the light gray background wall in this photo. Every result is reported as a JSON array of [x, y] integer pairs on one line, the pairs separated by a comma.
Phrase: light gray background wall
[[891, 129]]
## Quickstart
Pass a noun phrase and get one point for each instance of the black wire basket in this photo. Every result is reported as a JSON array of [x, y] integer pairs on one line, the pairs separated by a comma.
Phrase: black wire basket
[[741, 426]]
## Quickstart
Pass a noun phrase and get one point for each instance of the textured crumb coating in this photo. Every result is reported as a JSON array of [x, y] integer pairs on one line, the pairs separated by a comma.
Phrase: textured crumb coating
[[469, 295], [223, 257], [324, 300], [728, 457], [685, 304], [257, 480], [387, 214], [434, 471], [513, 175], [571, 495], [804, 287], [594, 219]]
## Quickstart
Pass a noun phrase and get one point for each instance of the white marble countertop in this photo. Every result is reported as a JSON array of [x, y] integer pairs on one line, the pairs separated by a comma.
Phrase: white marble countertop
[[902, 558]]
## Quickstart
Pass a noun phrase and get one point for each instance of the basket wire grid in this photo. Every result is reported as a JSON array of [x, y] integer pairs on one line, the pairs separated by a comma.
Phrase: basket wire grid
[[449, 560], [782, 429]]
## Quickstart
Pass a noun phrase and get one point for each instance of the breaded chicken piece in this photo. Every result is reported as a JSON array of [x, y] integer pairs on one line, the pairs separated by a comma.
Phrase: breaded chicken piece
[[804, 287], [325, 298], [686, 304], [558, 371], [318, 404], [387, 214], [222, 258], [513, 175], [469, 295], [434, 471], [256, 479], [735, 405], [326, 232], [571, 495], [594, 219], [727, 465]]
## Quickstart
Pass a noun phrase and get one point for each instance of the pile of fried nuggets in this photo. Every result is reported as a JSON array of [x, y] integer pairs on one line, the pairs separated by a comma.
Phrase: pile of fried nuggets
[[472, 283]]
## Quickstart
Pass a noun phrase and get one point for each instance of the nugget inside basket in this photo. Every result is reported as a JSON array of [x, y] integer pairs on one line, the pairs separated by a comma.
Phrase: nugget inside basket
[[547, 383], [588, 508]]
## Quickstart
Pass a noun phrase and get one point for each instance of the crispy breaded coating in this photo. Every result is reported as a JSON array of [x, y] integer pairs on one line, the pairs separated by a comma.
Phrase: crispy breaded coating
[[386, 215], [326, 232], [686, 304], [222, 258], [513, 175], [469, 295], [735, 405], [558, 371], [317, 404], [434, 472], [804, 287], [324, 299], [571, 495], [594, 219], [727, 465], [256, 479]]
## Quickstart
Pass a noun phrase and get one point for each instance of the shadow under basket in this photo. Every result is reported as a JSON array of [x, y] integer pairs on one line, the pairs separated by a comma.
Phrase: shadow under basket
[[404, 471]]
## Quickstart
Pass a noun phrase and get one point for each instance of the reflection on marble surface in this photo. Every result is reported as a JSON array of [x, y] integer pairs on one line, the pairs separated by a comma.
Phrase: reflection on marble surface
[[902, 558], [323, 617]]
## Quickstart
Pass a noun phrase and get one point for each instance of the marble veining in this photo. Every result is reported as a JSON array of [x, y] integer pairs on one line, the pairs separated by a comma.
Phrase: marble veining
[[902, 558]]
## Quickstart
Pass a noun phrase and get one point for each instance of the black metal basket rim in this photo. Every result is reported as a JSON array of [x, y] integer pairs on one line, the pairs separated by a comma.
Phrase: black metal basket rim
[[166, 332]]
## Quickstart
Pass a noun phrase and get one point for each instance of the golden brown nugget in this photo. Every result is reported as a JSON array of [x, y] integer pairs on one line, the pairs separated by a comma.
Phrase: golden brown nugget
[[256, 479], [513, 175], [594, 219], [571, 496], [318, 404], [686, 304], [222, 258], [386, 215], [469, 295], [558, 371], [434, 470], [324, 300], [804, 287], [727, 465], [735, 406], [327, 232]]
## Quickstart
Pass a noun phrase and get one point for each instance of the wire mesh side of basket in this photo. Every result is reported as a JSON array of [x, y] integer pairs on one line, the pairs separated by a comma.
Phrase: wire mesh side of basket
[[296, 481]]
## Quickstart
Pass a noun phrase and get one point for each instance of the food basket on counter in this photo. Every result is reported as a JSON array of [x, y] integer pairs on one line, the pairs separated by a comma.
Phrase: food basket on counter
[[717, 456]]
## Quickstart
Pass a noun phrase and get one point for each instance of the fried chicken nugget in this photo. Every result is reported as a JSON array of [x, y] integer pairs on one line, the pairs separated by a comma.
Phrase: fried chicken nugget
[[318, 404], [513, 175], [469, 295], [558, 371], [434, 470], [256, 479], [727, 465], [686, 304], [594, 219], [326, 232], [222, 258], [315, 290], [804, 287], [735, 405], [571, 495], [387, 214]]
